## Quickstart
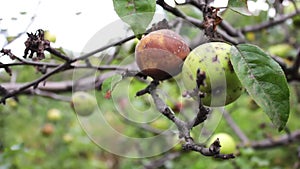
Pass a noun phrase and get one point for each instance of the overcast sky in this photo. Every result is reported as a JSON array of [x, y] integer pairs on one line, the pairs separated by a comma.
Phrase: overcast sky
[[67, 19]]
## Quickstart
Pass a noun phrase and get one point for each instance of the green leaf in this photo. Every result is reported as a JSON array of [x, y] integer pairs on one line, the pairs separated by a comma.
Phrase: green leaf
[[109, 84], [239, 6], [264, 80], [136, 13]]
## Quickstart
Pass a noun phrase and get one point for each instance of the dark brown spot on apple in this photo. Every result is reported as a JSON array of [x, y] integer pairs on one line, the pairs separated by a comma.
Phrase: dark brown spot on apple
[[215, 59], [230, 66]]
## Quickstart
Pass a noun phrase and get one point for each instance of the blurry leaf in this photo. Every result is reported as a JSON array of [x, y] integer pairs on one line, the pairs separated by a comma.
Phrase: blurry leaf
[[109, 84], [10, 38], [17, 147], [260, 162], [23, 13], [239, 6], [136, 13], [264, 80]]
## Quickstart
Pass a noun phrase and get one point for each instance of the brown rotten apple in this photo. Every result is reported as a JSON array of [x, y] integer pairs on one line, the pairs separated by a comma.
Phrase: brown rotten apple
[[161, 53]]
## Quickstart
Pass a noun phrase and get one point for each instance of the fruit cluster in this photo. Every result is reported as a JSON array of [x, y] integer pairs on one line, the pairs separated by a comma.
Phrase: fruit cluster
[[163, 54]]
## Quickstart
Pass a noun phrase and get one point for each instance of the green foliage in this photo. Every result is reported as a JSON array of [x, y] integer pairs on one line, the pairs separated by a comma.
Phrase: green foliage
[[138, 14], [109, 84], [264, 80], [26, 147], [239, 6]]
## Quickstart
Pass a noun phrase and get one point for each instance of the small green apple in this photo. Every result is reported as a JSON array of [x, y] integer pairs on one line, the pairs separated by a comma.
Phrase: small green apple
[[161, 124], [11, 102], [49, 36], [222, 85], [281, 50], [68, 138], [83, 103], [227, 143], [178, 143], [53, 115]]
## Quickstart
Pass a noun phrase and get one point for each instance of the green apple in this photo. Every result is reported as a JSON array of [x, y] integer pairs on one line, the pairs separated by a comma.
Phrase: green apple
[[222, 85], [281, 50], [83, 103], [68, 138], [53, 115], [178, 143], [161, 123], [49, 36], [11, 102], [227, 143]]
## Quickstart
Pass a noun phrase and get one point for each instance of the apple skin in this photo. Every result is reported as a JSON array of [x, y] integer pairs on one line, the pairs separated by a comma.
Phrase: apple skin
[[222, 86], [53, 115], [281, 50], [47, 129], [83, 103], [161, 124], [227, 143], [161, 53], [49, 36], [11, 103], [67, 138]]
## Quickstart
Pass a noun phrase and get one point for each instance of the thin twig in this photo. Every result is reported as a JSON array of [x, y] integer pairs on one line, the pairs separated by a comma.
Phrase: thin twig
[[59, 68], [120, 42], [178, 13], [280, 141], [52, 95], [25, 30], [242, 136], [270, 23], [184, 128]]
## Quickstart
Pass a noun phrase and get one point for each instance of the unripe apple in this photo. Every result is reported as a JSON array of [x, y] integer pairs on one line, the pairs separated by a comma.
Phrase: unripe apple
[[49, 36], [221, 85], [160, 54], [11, 103], [68, 138], [281, 50], [53, 115], [227, 143], [83, 103], [178, 143], [161, 124]]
